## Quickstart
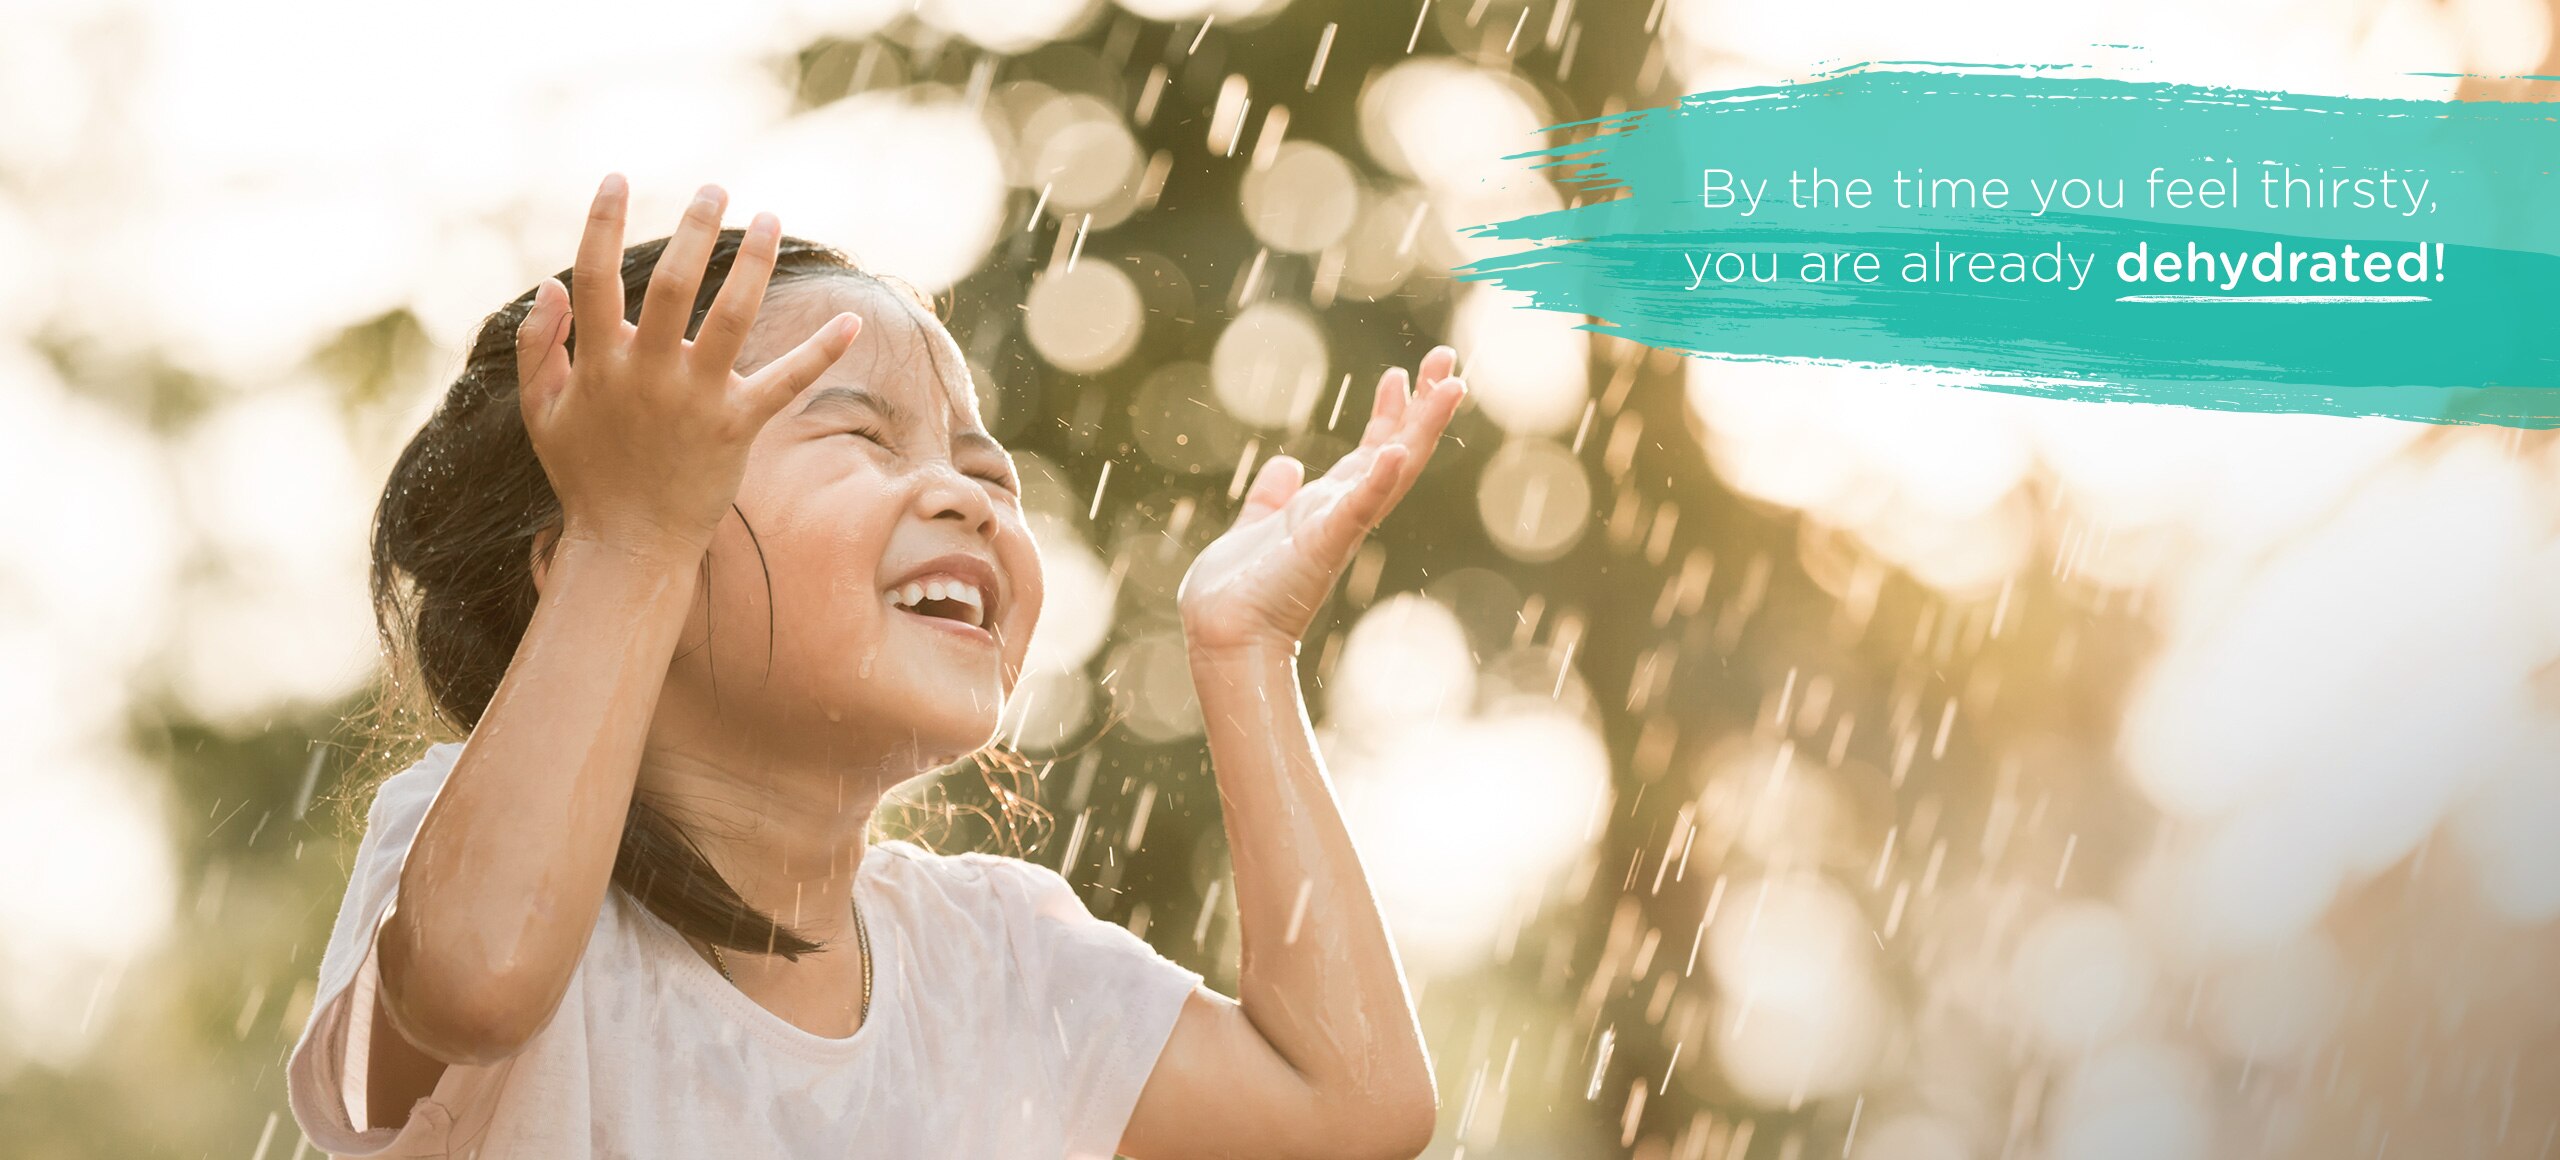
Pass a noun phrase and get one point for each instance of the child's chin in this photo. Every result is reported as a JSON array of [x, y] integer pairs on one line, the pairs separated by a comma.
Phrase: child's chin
[[948, 739]]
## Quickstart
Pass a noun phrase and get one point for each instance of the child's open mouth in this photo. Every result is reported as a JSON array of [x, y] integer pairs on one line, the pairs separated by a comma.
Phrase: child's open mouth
[[952, 594], [959, 628]]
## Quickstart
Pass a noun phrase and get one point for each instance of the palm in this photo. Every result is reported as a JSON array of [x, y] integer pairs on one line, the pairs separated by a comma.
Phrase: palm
[[1264, 578]]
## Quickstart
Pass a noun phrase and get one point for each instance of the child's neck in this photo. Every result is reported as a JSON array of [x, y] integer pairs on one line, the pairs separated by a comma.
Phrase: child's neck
[[789, 837]]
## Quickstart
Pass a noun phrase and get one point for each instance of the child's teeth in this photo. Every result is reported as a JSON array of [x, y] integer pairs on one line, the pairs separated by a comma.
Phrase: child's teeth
[[955, 590]]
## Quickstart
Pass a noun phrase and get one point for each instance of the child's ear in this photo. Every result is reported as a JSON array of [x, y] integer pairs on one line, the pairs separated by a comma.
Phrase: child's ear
[[543, 539]]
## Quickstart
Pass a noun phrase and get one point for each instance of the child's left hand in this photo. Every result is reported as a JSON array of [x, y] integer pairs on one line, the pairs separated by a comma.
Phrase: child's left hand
[[1261, 582]]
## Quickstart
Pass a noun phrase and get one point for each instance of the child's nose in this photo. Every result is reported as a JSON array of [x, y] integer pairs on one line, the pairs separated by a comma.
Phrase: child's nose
[[950, 493]]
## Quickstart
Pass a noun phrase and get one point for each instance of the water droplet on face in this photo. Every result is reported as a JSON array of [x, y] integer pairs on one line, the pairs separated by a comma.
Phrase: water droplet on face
[[867, 655]]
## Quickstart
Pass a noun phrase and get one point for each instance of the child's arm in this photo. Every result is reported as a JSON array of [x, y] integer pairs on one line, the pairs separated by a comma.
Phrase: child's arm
[[644, 438], [1323, 1055], [501, 889]]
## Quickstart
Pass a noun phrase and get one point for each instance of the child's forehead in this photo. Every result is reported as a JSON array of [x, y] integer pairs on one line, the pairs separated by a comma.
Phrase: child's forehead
[[902, 352]]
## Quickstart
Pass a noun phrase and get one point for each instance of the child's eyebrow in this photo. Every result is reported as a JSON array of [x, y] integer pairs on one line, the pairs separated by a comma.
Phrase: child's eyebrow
[[840, 396], [856, 396]]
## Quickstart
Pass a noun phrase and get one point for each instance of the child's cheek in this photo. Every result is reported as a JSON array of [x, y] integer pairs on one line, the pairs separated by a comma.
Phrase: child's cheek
[[1026, 618]]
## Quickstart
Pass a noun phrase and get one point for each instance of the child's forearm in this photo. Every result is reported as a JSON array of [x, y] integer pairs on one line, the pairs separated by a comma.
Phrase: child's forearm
[[504, 881], [1319, 976]]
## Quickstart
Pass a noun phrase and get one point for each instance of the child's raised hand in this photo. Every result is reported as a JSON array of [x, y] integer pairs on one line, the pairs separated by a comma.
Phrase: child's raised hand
[[644, 434], [1261, 582]]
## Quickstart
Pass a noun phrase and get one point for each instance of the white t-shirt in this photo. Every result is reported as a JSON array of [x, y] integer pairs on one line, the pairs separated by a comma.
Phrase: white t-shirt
[[1006, 1021]]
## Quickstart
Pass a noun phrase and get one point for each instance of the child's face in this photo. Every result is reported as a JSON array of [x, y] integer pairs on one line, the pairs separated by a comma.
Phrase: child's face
[[841, 520]]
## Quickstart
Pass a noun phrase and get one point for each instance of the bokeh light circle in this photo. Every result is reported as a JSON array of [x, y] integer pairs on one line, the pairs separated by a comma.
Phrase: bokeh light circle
[[1442, 121], [1528, 369], [1080, 152], [1394, 234], [1047, 708], [1407, 659], [1304, 201], [2080, 976], [910, 184], [1800, 1014], [1151, 684], [2136, 1100], [93, 819], [1084, 319], [1007, 25], [1269, 365], [1911, 1136], [1534, 499], [1076, 597], [1463, 822]]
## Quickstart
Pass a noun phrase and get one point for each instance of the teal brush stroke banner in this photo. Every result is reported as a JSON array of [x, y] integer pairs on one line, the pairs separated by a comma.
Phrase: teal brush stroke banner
[[2459, 200]]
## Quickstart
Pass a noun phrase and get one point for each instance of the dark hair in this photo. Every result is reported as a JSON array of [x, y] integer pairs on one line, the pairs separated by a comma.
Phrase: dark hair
[[453, 591]]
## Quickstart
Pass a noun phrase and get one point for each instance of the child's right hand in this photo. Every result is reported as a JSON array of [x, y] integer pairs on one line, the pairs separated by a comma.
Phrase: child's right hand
[[644, 436]]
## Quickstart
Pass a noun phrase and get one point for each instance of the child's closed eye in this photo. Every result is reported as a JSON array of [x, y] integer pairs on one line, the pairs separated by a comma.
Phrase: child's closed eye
[[1000, 479]]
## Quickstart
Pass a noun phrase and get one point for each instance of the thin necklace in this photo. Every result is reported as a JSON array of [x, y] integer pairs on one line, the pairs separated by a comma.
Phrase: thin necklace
[[862, 938]]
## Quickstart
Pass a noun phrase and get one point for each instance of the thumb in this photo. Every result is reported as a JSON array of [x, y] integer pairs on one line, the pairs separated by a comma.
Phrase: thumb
[[542, 347], [1273, 484]]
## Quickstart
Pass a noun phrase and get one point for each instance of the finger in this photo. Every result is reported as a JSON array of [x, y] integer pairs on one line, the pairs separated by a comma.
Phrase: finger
[[784, 378], [598, 273], [668, 307], [1423, 425], [1386, 411], [1348, 519], [1273, 485], [724, 329], [1437, 365], [542, 347]]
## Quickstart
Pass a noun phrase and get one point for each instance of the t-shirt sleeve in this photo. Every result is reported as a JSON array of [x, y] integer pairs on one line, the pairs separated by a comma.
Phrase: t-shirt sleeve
[[1105, 1001], [325, 1076]]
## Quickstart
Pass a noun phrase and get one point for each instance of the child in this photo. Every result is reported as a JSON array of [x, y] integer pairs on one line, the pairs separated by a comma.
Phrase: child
[[697, 588]]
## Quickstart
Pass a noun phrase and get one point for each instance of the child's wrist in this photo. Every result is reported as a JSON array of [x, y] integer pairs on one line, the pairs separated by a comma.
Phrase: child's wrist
[[1208, 645], [638, 542], [1255, 662]]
